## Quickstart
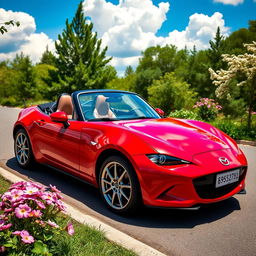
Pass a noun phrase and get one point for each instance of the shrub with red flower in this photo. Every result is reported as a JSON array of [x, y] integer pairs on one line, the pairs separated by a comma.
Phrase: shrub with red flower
[[207, 109], [28, 219]]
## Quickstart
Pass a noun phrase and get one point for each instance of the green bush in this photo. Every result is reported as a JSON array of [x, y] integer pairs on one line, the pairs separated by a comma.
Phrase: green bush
[[185, 114], [235, 130], [10, 101], [171, 92]]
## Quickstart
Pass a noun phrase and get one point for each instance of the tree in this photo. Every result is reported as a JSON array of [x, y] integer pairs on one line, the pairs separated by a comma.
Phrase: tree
[[48, 58], [171, 93], [25, 84], [144, 80], [166, 58], [5, 25], [216, 50], [80, 61], [128, 71], [242, 68], [126, 83], [41, 76], [234, 43]]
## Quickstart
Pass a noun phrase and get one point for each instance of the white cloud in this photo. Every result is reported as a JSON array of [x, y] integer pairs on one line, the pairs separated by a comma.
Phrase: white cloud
[[130, 27], [200, 30], [232, 2], [22, 38]]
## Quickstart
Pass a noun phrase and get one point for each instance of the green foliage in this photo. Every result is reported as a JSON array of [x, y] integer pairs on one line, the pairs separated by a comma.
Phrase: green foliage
[[128, 71], [88, 241], [216, 50], [171, 93], [235, 42], [126, 83], [236, 130], [80, 61], [25, 78], [4, 25], [144, 79], [185, 114], [48, 58]]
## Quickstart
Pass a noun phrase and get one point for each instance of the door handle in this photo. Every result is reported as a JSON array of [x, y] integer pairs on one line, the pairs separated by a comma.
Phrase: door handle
[[40, 122]]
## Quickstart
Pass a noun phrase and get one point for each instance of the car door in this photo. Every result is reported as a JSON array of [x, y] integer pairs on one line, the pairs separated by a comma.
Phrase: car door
[[59, 146]]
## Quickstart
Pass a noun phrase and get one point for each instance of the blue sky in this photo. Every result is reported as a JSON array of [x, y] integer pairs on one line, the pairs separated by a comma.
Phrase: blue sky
[[126, 26]]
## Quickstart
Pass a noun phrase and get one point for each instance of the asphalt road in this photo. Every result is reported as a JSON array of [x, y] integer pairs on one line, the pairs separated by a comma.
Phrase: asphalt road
[[226, 228]]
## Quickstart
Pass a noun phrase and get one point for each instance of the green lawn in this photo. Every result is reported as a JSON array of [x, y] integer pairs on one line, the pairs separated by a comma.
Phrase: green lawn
[[85, 241]]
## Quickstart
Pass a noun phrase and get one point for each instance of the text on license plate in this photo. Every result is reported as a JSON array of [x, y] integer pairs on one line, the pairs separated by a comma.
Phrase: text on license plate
[[227, 178]]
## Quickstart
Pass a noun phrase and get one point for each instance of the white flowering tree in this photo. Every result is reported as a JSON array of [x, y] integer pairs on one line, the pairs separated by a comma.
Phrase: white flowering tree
[[242, 68]]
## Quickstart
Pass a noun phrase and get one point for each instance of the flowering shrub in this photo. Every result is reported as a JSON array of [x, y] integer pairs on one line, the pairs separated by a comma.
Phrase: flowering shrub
[[207, 109], [28, 216]]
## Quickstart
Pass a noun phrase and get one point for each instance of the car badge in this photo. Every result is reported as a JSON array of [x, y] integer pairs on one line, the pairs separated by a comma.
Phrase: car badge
[[224, 160]]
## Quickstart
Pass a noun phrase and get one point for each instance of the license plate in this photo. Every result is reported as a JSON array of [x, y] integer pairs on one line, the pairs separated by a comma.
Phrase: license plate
[[227, 178]]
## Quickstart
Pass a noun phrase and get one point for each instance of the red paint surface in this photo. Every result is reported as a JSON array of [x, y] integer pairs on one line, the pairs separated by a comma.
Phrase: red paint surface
[[70, 149]]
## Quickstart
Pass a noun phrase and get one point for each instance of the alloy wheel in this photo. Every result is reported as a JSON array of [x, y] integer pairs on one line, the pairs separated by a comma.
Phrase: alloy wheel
[[22, 149], [116, 185]]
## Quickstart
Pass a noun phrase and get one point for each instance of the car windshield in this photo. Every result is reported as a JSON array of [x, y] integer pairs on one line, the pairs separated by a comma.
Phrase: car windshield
[[111, 106]]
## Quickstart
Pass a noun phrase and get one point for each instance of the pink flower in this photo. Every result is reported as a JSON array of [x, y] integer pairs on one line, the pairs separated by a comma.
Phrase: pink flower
[[2, 249], [4, 226], [8, 210], [35, 213], [18, 185], [40, 222], [16, 195], [60, 205], [22, 211], [48, 198], [52, 224], [40, 204], [26, 237], [54, 189], [17, 233], [70, 229], [31, 190]]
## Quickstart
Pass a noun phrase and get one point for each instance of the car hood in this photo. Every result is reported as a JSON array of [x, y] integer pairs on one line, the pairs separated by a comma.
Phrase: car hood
[[179, 137]]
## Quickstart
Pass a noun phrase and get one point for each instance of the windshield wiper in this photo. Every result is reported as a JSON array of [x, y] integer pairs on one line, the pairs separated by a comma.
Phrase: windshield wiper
[[103, 119]]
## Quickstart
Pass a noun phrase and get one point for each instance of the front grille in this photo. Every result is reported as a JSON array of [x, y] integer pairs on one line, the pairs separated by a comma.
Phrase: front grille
[[205, 185]]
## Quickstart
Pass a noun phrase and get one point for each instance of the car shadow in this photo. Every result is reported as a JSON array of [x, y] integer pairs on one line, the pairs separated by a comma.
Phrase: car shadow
[[89, 197]]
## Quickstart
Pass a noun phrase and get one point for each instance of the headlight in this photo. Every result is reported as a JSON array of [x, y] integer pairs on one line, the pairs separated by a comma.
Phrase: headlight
[[160, 159]]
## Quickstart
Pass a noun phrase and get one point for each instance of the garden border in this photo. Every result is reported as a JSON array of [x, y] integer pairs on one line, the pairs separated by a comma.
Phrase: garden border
[[110, 233]]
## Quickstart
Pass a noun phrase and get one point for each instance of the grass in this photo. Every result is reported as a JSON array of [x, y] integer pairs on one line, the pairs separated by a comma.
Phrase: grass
[[4, 185], [86, 241]]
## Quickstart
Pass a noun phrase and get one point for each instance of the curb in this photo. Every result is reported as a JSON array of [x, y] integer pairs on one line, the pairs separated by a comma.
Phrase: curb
[[110, 233], [246, 142]]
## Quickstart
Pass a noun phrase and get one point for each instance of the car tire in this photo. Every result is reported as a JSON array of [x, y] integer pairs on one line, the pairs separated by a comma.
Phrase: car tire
[[119, 186], [23, 150]]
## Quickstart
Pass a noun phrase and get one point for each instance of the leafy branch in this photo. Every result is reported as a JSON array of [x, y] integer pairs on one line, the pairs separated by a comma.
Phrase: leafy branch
[[3, 28]]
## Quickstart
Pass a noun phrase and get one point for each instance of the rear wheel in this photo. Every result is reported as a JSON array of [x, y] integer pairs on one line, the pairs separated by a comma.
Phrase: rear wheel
[[119, 186], [23, 149]]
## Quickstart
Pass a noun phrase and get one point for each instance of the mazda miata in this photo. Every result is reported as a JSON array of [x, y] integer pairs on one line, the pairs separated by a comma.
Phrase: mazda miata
[[117, 142]]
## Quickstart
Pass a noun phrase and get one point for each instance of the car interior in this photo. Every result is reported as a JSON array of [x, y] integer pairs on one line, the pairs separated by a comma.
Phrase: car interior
[[63, 103]]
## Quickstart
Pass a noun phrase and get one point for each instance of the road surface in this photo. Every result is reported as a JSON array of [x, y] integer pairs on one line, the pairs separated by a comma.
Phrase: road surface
[[226, 228]]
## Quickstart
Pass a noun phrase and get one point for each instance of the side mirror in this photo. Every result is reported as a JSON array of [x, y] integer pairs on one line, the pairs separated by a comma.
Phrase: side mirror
[[60, 117], [160, 111]]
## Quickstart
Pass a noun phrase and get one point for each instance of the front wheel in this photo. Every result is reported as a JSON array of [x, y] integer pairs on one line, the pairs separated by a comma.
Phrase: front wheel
[[119, 186], [23, 149]]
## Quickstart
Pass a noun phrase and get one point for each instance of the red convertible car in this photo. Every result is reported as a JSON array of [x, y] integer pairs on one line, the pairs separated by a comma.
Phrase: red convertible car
[[120, 144]]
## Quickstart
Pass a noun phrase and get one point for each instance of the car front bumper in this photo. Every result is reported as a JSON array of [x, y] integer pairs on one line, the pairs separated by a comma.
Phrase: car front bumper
[[183, 186]]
